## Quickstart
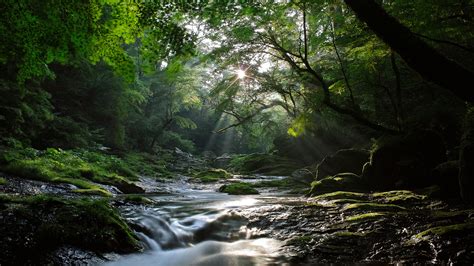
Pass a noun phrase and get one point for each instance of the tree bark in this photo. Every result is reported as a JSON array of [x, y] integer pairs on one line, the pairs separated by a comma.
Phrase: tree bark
[[428, 62]]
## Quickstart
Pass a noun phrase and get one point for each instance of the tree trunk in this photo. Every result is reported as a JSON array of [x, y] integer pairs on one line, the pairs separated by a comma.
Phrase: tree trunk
[[428, 62]]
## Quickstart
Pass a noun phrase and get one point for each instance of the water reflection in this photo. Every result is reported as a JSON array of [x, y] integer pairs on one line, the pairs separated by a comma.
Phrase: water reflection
[[262, 251], [199, 226]]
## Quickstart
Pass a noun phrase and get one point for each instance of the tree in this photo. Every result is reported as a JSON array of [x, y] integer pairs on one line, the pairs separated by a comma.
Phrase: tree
[[423, 58]]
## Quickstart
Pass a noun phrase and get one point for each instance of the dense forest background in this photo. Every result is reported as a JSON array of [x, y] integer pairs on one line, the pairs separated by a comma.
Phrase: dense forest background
[[240, 132], [139, 76]]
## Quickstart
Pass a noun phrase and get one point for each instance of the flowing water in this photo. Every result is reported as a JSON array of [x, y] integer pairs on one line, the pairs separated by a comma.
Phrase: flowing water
[[195, 225]]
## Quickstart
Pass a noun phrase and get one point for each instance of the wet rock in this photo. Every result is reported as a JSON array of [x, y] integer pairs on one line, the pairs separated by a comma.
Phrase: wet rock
[[343, 161], [69, 255], [307, 174], [405, 161], [129, 188], [33, 187], [345, 181], [239, 188]]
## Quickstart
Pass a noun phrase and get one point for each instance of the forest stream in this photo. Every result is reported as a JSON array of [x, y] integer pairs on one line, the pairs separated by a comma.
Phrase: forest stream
[[235, 133], [194, 224]]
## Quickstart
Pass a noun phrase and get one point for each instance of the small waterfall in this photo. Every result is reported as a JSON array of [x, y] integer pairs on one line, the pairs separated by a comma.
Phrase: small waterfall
[[197, 227]]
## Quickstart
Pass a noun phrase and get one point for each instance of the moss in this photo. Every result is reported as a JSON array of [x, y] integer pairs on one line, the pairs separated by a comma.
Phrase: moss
[[149, 164], [93, 191], [137, 199], [399, 196], [446, 230], [365, 216], [48, 222], [284, 183], [300, 240], [77, 167], [3, 181], [342, 195], [212, 175], [348, 234], [239, 188], [49, 171], [345, 182], [374, 207], [346, 201], [452, 214]]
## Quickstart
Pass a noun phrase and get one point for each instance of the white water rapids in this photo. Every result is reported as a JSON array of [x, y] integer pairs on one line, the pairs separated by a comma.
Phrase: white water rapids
[[195, 225]]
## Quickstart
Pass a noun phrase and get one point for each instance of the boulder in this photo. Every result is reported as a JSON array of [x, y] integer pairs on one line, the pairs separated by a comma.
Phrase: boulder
[[129, 188], [340, 182], [343, 161], [405, 161], [306, 174]]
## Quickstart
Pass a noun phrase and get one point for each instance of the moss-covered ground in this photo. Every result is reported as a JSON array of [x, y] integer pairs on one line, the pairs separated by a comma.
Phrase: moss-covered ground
[[35, 225], [82, 168]]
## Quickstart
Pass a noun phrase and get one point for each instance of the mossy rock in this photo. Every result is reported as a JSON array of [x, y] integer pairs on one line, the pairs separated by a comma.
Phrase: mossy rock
[[240, 188], [77, 167], [405, 161], [300, 240], [284, 183], [3, 181], [399, 197], [343, 161], [373, 207], [93, 191], [446, 230], [342, 195], [366, 217], [128, 187], [36, 225], [345, 182], [212, 175], [137, 199]]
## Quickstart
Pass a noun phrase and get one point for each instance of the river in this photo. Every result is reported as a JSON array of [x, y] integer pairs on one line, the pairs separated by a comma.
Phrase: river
[[193, 224]]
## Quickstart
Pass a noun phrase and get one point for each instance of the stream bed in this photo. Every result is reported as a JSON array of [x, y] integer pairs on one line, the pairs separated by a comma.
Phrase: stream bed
[[193, 224]]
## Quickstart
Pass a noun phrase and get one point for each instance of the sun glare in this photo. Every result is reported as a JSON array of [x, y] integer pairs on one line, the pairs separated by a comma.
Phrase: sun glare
[[241, 74]]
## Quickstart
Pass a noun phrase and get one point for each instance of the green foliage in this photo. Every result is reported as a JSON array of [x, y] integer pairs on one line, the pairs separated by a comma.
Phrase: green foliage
[[23, 113], [263, 163], [39, 34], [240, 188], [3, 181], [171, 140]]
